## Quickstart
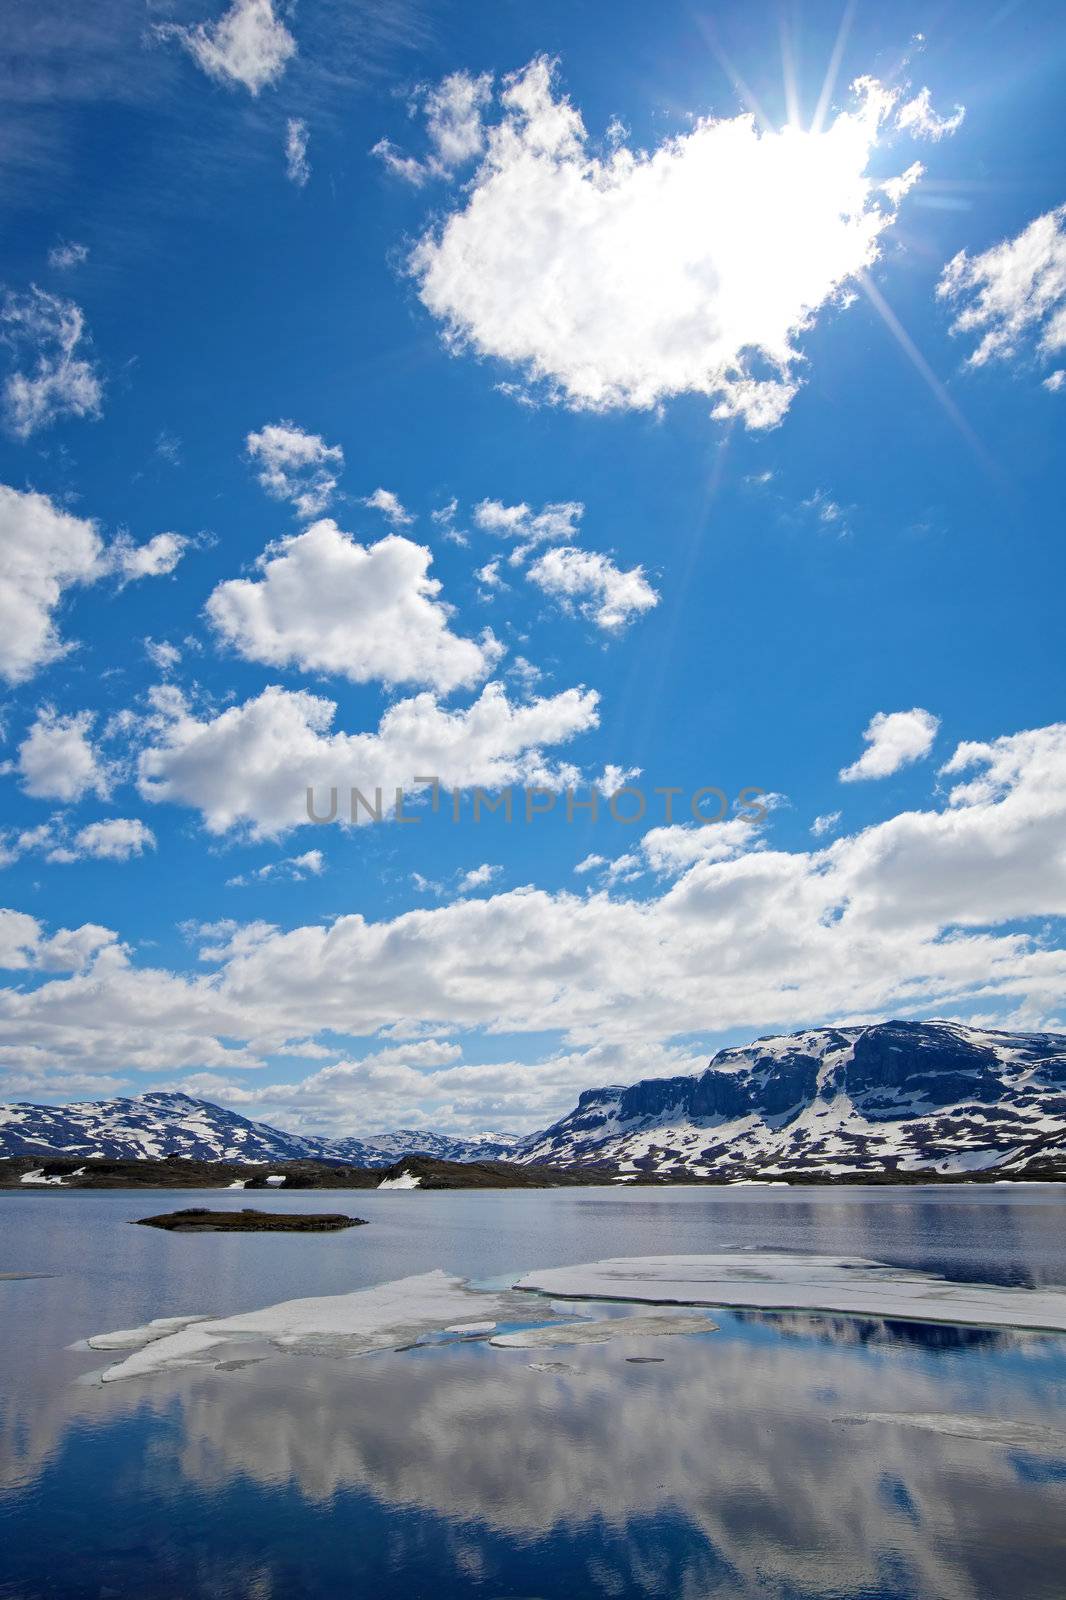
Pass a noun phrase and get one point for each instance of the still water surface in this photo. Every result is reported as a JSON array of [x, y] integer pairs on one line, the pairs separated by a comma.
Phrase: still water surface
[[737, 1465]]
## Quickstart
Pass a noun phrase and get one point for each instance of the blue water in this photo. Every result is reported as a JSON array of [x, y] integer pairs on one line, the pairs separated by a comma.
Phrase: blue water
[[738, 1465]]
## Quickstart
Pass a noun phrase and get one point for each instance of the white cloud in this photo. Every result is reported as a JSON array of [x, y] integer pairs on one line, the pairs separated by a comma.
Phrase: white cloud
[[163, 655], [554, 522], [478, 877], [601, 591], [453, 110], [248, 45], [292, 869], [43, 552], [915, 915], [894, 739], [252, 764], [297, 167], [918, 118], [1056, 381], [827, 823], [444, 519], [1013, 292], [155, 559], [296, 466], [23, 945], [58, 760], [60, 382], [67, 254], [489, 578], [390, 506], [625, 279], [325, 603], [117, 839]]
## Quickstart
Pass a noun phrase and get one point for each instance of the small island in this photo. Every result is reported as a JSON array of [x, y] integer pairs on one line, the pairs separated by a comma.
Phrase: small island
[[197, 1219]]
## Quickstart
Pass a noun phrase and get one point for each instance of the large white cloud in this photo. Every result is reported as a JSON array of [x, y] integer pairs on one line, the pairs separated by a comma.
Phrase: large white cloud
[[918, 914], [893, 740], [45, 551], [1014, 292], [325, 603], [248, 45], [622, 279], [252, 765]]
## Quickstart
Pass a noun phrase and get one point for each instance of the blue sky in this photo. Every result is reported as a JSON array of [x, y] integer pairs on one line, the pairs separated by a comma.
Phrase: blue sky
[[709, 461]]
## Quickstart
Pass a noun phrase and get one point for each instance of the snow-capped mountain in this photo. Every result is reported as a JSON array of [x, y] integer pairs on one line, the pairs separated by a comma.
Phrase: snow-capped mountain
[[899, 1096], [159, 1124]]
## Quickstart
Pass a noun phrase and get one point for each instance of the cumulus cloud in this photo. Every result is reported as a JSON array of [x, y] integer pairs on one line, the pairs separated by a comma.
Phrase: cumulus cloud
[[933, 909], [60, 382], [58, 759], [621, 280], [453, 111], [23, 944], [251, 765], [116, 839], [325, 603], [590, 583], [1012, 293], [155, 559], [528, 528], [918, 118], [297, 166], [894, 739], [296, 466], [44, 552], [390, 506], [247, 46]]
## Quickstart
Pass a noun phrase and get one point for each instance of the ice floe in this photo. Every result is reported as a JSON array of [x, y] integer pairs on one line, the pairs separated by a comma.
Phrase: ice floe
[[387, 1317], [777, 1282], [637, 1327], [147, 1333], [986, 1430]]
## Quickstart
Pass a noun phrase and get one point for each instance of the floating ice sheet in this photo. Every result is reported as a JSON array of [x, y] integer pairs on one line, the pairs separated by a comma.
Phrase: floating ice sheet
[[602, 1332], [777, 1282], [383, 1318], [986, 1430]]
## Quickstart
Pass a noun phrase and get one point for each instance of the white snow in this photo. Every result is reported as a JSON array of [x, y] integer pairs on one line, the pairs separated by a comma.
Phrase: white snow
[[274, 1180], [39, 1177], [988, 1430], [382, 1318], [238, 1183], [406, 1180], [803, 1283], [471, 1327], [147, 1333], [602, 1332]]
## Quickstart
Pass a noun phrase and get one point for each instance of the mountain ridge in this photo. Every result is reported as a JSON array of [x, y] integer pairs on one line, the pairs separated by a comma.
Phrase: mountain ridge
[[937, 1096]]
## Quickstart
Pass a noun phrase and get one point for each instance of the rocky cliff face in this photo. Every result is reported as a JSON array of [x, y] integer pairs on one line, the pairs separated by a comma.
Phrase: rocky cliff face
[[903, 1096]]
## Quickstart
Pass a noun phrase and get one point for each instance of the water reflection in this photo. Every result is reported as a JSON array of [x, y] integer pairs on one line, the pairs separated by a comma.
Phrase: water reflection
[[726, 1468], [734, 1467]]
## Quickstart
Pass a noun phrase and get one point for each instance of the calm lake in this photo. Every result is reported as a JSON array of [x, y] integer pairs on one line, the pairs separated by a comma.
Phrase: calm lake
[[751, 1461]]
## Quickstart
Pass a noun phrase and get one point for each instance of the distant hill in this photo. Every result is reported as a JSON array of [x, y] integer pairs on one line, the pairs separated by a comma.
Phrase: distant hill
[[889, 1098], [156, 1125]]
